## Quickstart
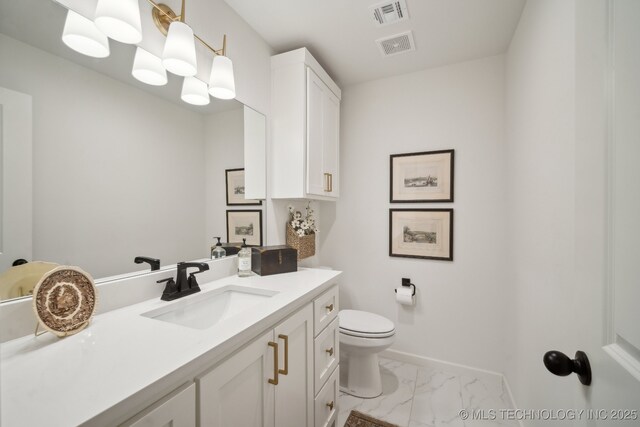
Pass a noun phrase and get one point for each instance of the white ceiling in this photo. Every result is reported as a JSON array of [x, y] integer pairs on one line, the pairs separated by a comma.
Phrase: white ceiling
[[341, 34]]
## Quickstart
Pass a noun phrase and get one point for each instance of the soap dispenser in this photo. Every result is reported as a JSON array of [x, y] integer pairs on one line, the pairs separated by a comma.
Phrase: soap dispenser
[[244, 260], [218, 251]]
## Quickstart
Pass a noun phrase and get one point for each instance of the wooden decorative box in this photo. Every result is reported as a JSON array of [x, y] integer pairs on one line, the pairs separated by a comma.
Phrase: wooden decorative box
[[267, 260]]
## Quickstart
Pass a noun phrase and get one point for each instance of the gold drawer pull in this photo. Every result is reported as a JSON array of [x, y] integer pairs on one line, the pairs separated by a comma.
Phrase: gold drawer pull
[[330, 351], [274, 381], [329, 307], [330, 405], [285, 371], [327, 187]]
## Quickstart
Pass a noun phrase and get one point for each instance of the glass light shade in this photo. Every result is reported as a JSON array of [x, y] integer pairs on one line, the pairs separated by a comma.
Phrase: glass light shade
[[82, 35], [179, 55], [120, 20], [222, 84], [148, 68], [194, 91]]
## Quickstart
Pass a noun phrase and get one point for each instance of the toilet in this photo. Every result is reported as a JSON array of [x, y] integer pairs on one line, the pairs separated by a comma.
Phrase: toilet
[[362, 336]]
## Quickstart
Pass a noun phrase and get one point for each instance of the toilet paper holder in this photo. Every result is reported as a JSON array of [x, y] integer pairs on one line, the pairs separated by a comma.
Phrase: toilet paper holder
[[407, 282]]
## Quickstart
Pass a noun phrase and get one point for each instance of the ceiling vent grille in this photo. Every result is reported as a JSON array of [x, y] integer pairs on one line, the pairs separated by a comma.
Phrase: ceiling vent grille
[[396, 44], [389, 12]]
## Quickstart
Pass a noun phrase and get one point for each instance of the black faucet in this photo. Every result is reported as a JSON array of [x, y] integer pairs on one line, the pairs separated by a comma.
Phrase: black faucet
[[183, 286], [153, 262]]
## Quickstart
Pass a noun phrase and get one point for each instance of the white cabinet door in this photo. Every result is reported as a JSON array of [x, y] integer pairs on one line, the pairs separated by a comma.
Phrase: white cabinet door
[[237, 392], [331, 142], [323, 136], [316, 181], [177, 410], [294, 392]]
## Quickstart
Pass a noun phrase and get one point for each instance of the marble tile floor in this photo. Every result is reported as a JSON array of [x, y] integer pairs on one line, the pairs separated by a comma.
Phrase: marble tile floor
[[418, 396]]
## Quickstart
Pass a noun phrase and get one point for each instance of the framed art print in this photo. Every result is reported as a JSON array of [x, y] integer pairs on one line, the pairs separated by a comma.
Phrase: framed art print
[[234, 179], [421, 233], [422, 177], [244, 225]]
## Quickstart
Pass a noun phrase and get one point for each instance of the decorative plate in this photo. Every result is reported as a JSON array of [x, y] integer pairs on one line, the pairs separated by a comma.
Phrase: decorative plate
[[64, 300]]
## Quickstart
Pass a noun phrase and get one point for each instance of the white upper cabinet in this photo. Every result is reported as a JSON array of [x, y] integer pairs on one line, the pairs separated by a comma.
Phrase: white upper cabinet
[[306, 128]]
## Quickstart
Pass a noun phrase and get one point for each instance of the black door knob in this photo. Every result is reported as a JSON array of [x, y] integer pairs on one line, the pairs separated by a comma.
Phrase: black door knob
[[559, 364]]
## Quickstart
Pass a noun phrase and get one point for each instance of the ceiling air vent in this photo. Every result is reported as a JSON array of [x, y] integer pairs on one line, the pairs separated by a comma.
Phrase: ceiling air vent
[[389, 12], [396, 44]]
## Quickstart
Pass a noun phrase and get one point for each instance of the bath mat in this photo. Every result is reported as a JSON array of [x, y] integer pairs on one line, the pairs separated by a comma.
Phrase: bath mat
[[358, 419]]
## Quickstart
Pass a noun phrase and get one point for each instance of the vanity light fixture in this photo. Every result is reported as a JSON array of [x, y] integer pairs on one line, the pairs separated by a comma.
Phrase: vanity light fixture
[[120, 20], [194, 91], [221, 82], [82, 35], [177, 51], [148, 68]]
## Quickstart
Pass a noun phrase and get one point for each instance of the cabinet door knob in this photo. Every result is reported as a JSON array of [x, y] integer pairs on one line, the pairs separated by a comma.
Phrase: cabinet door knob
[[274, 381], [329, 307], [330, 351], [330, 405]]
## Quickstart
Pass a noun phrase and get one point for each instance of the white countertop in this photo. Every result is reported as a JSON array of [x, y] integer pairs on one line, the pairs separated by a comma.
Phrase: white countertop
[[65, 382]]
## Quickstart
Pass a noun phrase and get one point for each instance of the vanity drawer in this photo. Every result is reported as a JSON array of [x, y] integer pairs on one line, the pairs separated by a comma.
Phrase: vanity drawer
[[326, 404], [326, 352], [325, 309]]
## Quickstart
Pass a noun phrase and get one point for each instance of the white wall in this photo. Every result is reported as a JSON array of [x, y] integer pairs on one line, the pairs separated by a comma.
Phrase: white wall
[[541, 171], [459, 315], [102, 150]]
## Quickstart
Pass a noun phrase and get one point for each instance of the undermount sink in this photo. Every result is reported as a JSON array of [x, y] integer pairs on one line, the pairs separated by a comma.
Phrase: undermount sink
[[207, 309]]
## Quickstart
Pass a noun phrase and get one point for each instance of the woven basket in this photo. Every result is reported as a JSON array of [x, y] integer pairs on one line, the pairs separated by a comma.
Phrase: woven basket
[[305, 245]]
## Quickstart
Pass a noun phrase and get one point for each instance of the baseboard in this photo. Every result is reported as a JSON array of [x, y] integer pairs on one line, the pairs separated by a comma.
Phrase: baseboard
[[440, 364], [455, 368]]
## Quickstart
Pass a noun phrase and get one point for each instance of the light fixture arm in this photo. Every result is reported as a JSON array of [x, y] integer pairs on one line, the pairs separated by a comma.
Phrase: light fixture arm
[[164, 16]]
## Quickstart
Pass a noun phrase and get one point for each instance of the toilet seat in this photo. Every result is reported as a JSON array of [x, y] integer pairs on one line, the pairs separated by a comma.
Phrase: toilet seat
[[363, 324]]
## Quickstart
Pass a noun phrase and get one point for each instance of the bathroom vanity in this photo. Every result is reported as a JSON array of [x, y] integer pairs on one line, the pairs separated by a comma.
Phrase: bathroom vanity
[[257, 351]]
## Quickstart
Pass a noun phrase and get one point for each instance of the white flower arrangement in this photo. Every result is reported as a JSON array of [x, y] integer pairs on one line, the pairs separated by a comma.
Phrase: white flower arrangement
[[302, 226]]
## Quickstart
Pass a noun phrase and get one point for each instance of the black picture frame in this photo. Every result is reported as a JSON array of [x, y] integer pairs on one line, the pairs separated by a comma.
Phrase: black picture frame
[[408, 248], [233, 199], [235, 219], [445, 158]]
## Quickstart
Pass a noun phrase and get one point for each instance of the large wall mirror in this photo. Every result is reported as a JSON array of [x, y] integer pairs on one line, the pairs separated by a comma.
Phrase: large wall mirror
[[98, 168]]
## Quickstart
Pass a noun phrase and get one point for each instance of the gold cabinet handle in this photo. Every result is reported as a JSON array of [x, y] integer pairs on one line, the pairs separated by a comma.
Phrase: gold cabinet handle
[[274, 381], [285, 371], [330, 405], [330, 182], [329, 307], [330, 351], [327, 177]]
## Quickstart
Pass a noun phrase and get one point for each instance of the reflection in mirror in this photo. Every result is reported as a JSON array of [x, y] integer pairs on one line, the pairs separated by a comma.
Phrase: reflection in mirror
[[119, 169]]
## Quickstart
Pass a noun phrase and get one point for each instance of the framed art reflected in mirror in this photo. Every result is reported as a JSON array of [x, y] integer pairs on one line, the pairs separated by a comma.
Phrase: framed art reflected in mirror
[[246, 224], [235, 186]]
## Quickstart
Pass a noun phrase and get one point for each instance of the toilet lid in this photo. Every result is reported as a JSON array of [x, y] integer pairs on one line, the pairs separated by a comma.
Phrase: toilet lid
[[365, 323]]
